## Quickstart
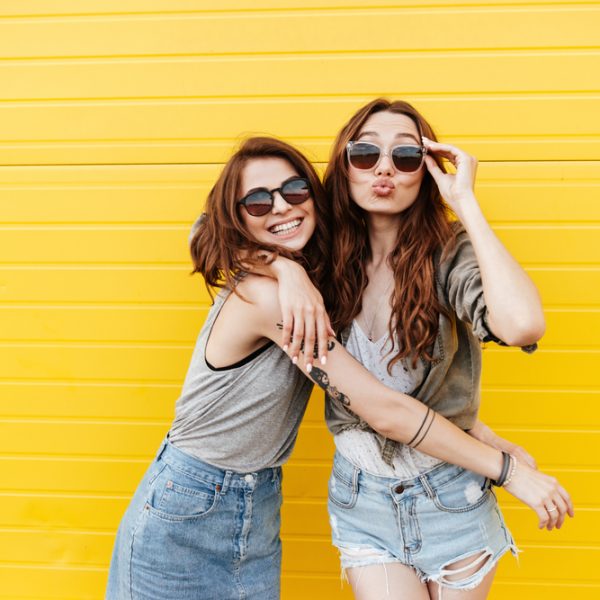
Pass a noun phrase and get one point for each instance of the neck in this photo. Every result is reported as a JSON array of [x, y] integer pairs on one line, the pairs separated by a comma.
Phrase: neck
[[383, 231]]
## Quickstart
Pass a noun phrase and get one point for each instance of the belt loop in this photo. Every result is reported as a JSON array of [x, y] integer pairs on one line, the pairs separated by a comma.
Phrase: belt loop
[[226, 482], [355, 476], [427, 486]]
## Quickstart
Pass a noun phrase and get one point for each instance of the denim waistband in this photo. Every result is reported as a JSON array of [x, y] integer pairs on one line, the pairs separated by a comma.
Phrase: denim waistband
[[198, 469], [423, 483]]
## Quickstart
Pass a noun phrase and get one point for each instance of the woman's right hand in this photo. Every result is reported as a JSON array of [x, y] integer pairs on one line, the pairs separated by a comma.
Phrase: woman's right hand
[[543, 493], [305, 321]]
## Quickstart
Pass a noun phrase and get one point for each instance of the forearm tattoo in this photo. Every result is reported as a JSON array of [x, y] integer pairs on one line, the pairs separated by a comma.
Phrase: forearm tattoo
[[322, 380]]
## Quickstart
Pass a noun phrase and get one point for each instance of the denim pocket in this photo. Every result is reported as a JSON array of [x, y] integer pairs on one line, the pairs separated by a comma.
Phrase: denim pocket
[[343, 491], [462, 493], [177, 496]]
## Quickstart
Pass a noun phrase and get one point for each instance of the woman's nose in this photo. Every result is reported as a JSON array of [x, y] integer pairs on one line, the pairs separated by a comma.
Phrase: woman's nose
[[280, 206], [384, 166]]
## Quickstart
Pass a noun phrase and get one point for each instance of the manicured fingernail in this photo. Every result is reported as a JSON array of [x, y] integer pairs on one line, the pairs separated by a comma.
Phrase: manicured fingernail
[[295, 359], [285, 348], [308, 368], [323, 360]]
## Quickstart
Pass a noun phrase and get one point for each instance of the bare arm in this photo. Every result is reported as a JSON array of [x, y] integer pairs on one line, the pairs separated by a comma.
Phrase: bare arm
[[304, 318], [515, 312], [399, 417], [482, 432]]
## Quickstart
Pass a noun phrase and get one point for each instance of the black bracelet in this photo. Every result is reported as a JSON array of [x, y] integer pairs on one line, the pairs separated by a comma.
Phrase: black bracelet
[[421, 427], [504, 472], [426, 431]]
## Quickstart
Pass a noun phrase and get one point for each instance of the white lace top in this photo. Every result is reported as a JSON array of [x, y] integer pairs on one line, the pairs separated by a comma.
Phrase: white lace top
[[361, 447]]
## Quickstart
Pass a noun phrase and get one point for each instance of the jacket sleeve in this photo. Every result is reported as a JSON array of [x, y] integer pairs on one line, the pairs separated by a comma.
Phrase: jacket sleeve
[[461, 280]]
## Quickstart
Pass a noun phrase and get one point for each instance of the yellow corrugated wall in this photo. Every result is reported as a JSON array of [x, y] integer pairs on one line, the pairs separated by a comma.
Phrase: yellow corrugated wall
[[115, 117]]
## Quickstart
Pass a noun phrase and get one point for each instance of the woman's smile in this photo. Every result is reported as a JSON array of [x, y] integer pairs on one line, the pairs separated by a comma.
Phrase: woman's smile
[[286, 229]]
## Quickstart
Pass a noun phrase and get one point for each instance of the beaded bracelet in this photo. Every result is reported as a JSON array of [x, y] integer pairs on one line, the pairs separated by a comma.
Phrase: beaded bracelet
[[512, 471]]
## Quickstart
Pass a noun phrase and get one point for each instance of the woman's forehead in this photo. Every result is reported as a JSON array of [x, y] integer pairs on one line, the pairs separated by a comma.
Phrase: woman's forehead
[[266, 172], [389, 124]]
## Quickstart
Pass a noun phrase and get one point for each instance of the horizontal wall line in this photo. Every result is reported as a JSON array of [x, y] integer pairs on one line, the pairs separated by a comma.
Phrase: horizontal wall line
[[64, 420], [53, 566], [283, 10], [65, 496], [257, 99], [521, 94], [195, 308], [302, 53], [99, 344], [314, 54], [79, 458]]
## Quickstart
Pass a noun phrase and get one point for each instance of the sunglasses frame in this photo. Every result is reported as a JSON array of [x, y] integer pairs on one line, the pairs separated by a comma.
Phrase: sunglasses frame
[[389, 154], [243, 201]]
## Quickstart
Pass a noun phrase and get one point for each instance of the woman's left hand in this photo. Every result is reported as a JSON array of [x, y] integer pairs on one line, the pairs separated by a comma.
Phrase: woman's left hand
[[454, 187]]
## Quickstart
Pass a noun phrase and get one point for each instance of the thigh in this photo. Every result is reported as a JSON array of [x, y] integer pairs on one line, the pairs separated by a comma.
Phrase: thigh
[[386, 581], [478, 593], [460, 521]]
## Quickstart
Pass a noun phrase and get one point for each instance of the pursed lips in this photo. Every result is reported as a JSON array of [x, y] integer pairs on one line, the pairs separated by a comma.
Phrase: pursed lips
[[383, 186]]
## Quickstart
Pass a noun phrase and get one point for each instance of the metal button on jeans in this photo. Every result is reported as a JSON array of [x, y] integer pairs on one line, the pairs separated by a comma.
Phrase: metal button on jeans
[[399, 489], [249, 478]]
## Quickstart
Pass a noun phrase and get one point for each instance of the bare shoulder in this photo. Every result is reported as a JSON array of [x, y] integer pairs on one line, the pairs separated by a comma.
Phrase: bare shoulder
[[261, 294]]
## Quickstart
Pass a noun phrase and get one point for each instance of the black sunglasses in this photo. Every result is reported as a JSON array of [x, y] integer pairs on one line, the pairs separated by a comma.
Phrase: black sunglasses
[[407, 158], [260, 201]]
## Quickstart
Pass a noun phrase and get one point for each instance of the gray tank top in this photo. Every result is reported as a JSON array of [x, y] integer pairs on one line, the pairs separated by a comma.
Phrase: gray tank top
[[244, 417]]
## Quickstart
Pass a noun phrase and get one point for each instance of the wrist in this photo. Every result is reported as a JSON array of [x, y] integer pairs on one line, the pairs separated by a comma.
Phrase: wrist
[[281, 266], [468, 206]]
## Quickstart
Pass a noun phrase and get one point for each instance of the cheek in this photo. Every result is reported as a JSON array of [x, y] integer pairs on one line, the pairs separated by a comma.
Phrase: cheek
[[311, 215], [253, 225], [358, 185]]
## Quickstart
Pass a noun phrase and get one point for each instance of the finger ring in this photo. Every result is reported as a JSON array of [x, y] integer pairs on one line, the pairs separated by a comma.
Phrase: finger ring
[[552, 509]]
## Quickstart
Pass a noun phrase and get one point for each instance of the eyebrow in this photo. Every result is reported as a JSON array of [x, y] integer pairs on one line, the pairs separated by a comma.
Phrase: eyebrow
[[398, 135]]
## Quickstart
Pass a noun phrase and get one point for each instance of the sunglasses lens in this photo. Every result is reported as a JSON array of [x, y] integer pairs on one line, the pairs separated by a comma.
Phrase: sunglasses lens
[[295, 191], [258, 203], [407, 158], [363, 155]]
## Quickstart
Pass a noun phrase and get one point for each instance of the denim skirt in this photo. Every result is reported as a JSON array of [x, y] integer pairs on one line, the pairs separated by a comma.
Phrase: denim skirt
[[195, 531], [428, 522]]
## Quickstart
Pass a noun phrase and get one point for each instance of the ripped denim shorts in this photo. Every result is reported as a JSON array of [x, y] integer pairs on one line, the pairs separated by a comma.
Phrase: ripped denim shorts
[[428, 523]]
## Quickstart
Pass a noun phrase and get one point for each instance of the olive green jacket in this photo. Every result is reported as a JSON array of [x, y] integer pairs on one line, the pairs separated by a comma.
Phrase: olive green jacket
[[451, 385]]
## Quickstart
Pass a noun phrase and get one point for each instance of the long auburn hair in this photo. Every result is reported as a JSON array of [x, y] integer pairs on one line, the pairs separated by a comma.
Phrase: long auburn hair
[[424, 230], [222, 247]]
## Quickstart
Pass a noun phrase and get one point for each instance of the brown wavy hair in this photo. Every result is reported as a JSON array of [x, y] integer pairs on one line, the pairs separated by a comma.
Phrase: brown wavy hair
[[425, 230], [222, 247]]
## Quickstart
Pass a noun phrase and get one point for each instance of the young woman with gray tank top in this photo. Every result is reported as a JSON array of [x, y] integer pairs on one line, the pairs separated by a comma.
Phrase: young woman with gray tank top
[[204, 521]]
